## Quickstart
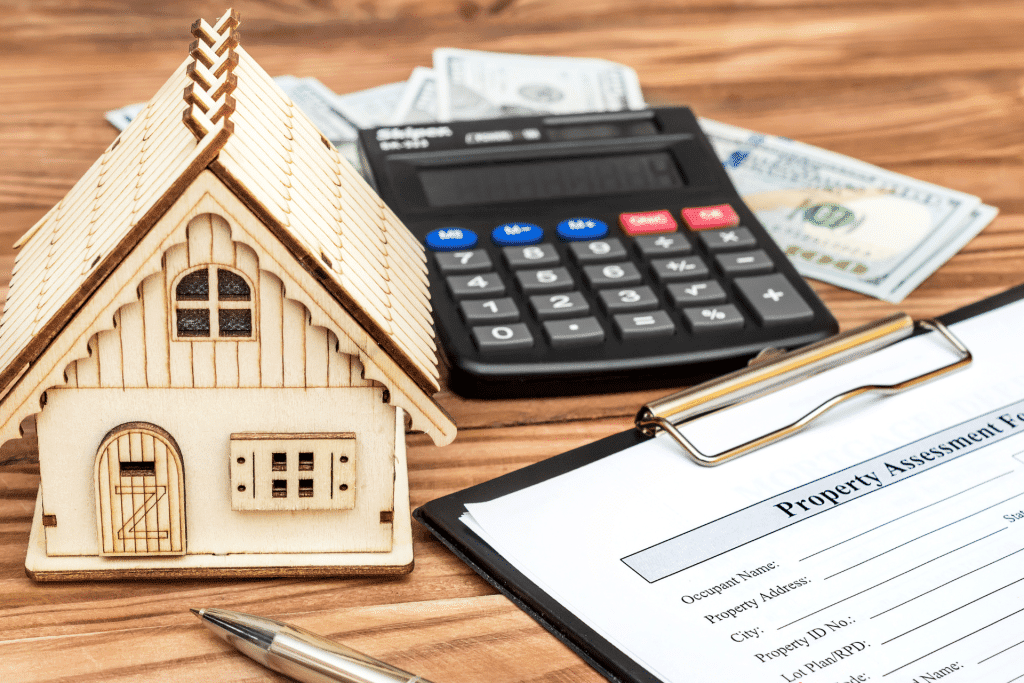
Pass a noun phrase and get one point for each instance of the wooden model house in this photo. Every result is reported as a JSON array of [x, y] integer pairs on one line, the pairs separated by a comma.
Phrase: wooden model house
[[222, 333]]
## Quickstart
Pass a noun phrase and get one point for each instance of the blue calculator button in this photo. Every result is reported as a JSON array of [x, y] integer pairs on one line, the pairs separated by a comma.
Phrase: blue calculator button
[[512, 234], [450, 239], [578, 229]]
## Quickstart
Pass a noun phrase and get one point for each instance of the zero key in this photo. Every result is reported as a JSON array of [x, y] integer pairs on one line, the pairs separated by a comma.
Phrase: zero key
[[494, 338]]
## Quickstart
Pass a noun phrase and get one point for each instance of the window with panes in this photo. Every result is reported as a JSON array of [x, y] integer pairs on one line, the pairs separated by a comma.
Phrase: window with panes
[[214, 302]]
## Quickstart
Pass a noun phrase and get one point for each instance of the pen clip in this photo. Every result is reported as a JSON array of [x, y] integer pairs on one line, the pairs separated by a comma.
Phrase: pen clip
[[778, 370]]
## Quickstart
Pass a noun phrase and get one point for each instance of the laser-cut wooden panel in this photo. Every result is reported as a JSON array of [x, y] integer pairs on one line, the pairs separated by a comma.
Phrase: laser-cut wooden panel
[[140, 493], [293, 471]]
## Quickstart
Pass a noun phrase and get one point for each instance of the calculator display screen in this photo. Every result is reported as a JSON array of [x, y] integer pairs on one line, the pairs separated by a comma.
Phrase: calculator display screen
[[550, 179]]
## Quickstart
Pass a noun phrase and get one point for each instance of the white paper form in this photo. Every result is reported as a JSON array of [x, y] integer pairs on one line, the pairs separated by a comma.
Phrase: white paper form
[[884, 544]]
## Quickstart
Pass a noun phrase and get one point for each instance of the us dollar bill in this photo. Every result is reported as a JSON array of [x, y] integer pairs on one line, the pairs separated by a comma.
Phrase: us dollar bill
[[419, 100], [368, 108], [843, 221], [975, 223], [316, 101], [480, 85], [120, 118]]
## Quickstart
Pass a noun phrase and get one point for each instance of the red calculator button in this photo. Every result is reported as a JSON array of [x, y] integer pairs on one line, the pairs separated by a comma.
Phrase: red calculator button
[[646, 222], [705, 217]]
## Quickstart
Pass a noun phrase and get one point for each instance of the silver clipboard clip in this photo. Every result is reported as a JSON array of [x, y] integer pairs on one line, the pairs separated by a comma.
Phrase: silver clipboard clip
[[772, 370]]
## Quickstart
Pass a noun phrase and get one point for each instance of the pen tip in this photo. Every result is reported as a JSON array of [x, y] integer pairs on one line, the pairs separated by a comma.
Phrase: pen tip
[[197, 613]]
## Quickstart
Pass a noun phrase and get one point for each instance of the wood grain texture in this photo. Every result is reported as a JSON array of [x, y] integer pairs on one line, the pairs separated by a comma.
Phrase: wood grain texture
[[930, 88]]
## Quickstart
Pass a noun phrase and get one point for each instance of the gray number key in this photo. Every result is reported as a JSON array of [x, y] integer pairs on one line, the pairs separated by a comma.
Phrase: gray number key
[[630, 299], [596, 251], [503, 337], [484, 284], [477, 311], [774, 300], [531, 256], [633, 326], [544, 280], [612, 275], [575, 332], [559, 305], [474, 261]]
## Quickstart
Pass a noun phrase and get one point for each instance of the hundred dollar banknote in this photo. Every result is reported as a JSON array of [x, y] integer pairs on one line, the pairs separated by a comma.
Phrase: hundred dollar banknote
[[480, 85], [844, 221], [120, 118], [345, 114], [419, 100], [368, 108]]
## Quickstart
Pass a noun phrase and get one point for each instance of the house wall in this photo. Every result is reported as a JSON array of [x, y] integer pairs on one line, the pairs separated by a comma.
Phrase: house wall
[[288, 351], [72, 425]]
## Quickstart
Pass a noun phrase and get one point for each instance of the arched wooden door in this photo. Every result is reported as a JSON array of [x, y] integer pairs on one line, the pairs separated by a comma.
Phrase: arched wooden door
[[140, 494]]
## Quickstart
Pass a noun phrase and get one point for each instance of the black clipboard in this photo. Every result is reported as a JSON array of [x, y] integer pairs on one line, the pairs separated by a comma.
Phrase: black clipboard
[[441, 517]]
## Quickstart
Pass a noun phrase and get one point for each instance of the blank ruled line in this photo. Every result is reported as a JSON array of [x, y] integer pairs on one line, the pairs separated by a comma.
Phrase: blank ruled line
[[955, 642], [949, 582], [1015, 679], [1001, 652], [945, 526], [851, 538], [891, 578], [956, 609]]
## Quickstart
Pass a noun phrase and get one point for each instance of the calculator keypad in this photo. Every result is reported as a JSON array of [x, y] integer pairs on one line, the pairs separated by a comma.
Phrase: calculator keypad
[[599, 252], [661, 281]]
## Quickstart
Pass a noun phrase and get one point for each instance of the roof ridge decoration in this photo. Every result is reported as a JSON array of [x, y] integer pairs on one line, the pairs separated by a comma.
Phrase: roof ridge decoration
[[214, 59]]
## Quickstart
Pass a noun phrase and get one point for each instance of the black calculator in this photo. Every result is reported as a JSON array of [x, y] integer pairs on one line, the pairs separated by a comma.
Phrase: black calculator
[[599, 252]]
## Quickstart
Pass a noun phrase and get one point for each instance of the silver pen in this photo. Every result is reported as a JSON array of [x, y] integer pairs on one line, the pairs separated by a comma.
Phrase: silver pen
[[297, 653]]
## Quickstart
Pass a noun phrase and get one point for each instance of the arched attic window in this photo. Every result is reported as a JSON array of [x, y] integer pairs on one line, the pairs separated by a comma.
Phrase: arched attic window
[[214, 302]]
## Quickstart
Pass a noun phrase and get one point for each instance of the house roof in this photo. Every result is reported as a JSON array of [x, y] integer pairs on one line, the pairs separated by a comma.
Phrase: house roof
[[241, 126]]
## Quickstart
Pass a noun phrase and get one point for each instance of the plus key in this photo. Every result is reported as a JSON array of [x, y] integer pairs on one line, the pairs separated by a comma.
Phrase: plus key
[[773, 299]]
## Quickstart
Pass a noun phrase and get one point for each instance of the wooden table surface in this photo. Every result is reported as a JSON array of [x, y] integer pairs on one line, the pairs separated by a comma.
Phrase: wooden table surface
[[930, 88]]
